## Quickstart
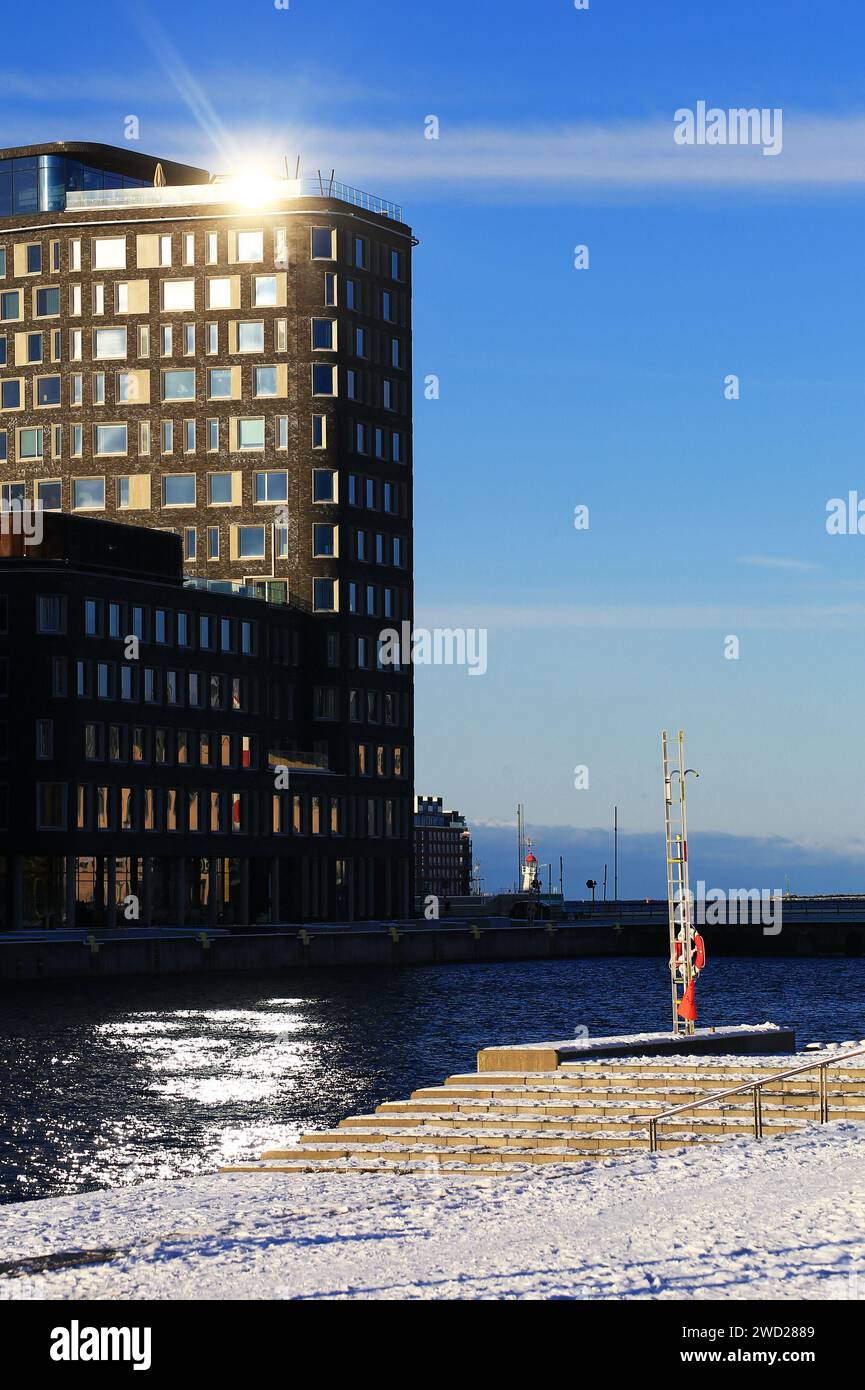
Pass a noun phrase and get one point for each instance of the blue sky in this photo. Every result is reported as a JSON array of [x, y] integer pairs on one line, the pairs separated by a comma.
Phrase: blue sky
[[562, 387]]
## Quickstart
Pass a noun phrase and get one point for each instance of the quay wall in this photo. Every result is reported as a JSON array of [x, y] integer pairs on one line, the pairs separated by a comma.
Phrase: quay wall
[[46, 955]]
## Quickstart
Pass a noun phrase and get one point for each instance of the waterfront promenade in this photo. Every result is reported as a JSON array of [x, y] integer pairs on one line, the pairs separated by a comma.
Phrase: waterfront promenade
[[810, 926]]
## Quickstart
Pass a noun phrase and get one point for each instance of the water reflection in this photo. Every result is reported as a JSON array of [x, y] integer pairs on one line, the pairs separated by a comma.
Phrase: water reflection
[[111, 1084]]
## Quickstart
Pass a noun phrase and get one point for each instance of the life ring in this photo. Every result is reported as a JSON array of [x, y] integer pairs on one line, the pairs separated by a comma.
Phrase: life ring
[[698, 953]]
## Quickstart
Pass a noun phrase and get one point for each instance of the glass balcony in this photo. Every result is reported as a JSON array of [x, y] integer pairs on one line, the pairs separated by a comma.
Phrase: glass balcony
[[230, 191]]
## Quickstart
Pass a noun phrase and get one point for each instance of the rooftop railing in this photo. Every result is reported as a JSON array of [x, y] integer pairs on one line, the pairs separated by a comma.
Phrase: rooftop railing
[[230, 191]]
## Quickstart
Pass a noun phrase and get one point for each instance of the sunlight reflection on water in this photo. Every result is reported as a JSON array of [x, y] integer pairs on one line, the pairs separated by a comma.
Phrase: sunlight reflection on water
[[107, 1083]]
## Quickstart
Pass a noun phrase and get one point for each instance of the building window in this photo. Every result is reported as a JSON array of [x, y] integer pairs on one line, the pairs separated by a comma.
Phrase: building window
[[324, 334], [323, 243], [264, 291], [108, 253], [178, 296], [250, 434], [30, 444], [219, 292], [250, 543], [323, 379], [250, 336], [49, 495], [323, 540], [219, 383], [250, 246], [266, 381], [271, 487], [127, 388], [323, 485], [51, 614], [88, 494], [219, 490], [178, 490], [47, 391], [179, 385], [51, 805], [324, 595], [109, 439]]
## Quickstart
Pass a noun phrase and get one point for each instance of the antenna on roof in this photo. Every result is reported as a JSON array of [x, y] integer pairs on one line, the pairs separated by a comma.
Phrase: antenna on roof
[[159, 176]]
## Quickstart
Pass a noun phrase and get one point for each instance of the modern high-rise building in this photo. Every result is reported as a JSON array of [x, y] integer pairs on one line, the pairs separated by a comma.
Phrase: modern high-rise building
[[230, 359], [443, 850]]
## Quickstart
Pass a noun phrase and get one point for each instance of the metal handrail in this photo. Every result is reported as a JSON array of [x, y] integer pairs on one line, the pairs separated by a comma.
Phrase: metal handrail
[[756, 1087]]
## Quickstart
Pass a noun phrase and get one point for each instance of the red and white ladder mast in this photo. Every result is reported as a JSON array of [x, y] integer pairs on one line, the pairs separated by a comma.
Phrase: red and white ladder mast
[[687, 951]]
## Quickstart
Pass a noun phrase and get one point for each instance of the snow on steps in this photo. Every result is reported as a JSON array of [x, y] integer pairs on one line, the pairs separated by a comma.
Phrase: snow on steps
[[493, 1124]]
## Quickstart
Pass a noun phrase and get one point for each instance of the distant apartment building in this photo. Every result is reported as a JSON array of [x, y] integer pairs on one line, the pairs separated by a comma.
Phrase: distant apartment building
[[231, 362], [443, 850]]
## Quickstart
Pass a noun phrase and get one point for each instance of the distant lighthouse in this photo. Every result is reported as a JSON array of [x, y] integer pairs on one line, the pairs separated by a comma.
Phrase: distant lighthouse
[[530, 873]]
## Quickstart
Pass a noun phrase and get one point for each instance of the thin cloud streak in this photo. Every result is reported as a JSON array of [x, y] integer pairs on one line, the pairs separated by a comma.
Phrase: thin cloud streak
[[776, 562], [819, 153], [500, 617]]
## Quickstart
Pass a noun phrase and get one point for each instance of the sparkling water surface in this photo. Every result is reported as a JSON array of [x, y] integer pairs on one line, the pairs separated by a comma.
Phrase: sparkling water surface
[[105, 1083]]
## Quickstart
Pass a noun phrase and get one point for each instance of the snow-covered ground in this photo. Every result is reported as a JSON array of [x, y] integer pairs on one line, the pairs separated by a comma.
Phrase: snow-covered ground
[[741, 1219]]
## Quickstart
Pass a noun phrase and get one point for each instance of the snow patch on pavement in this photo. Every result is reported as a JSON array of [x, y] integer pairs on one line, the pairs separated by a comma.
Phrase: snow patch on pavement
[[781, 1219]]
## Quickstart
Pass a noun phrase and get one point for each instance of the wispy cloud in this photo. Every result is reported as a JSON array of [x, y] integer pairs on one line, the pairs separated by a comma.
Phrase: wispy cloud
[[641, 617], [775, 562], [820, 152]]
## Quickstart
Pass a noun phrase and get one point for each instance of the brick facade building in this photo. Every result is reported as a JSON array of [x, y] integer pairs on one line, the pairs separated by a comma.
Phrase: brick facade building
[[230, 362]]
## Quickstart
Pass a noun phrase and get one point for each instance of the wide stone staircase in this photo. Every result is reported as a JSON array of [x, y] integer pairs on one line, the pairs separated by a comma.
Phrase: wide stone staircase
[[500, 1123]]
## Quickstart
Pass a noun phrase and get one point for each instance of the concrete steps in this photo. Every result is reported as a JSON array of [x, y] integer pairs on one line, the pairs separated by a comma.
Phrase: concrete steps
[[493, 1124]]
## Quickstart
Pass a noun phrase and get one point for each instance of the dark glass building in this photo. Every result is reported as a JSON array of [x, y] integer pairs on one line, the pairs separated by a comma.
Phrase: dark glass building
[[37, 178], [158, 748], [443, 850]]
